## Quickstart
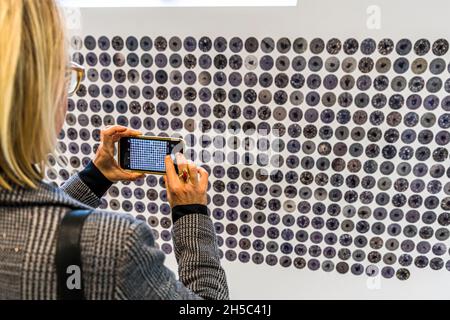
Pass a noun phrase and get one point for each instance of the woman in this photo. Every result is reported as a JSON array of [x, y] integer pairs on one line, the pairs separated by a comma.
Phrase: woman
[[119, 257]]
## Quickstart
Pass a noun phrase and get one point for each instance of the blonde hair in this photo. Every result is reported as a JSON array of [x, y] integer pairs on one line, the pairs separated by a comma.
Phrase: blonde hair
[[32, 84]]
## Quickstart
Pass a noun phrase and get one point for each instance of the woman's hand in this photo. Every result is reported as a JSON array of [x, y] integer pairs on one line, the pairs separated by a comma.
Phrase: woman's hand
[[180, 192], [104, 158]]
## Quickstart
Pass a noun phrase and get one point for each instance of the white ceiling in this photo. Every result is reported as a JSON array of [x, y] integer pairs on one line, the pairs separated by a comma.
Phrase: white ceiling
[[177, 3]]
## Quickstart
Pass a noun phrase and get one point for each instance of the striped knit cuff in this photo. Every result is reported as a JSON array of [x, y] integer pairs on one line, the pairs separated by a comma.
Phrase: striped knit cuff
[[180, 211]]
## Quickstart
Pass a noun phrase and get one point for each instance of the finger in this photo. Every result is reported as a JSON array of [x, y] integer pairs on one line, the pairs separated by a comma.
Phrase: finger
[[111, 130], [135, 132], [172, 177], [193, 174], [127, 133], [181, 162], [169, 196], [106, 135], [165, 182], [203, 181], [141, 176], [137, 176], [130, 176]]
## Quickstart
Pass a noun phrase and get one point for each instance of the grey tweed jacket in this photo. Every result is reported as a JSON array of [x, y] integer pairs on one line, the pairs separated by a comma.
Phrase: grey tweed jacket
[[120, 260]]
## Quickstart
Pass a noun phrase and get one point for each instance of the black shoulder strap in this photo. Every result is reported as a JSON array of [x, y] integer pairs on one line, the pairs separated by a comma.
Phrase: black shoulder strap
[[68, 256]]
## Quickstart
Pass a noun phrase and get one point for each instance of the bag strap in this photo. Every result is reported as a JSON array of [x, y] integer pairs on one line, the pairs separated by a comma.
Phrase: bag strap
[[68, 256]]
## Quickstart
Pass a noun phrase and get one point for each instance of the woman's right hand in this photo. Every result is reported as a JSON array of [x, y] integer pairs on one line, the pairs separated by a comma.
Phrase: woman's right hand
[[180, 192], [104, 158]]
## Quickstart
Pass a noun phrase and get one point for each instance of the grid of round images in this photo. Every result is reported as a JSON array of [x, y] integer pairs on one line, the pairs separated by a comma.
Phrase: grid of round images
[[324, 154]]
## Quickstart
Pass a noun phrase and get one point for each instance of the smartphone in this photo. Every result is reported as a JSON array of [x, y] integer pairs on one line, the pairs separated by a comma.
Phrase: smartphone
[[146, 154]]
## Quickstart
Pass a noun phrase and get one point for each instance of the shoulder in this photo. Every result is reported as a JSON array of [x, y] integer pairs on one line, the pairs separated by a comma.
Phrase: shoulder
[[108, 239], [113, 229]]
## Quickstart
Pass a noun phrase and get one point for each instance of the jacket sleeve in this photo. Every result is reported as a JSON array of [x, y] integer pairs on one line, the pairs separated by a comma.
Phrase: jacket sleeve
[[143, 275], [87, 186], [198, 256]]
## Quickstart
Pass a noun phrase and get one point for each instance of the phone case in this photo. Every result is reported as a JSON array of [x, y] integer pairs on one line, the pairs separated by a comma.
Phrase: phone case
[[152, 138]]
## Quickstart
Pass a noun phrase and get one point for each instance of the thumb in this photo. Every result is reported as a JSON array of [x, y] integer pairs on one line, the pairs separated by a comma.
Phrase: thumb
[[169, 198], [203, 177], [137, 175], [130, 176]]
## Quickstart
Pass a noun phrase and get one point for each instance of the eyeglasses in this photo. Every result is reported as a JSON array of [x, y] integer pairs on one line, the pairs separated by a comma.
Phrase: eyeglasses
[[75, 74]]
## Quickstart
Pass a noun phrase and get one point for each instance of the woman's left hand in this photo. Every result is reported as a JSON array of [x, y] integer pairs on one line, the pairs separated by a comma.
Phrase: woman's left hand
[[184, 192], [104, 158]]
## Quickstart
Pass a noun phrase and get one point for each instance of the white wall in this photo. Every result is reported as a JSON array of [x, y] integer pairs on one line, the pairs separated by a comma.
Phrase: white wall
[[312, 18]]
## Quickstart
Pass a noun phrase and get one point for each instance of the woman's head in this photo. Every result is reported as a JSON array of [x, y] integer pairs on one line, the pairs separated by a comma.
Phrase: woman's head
[[32, 87]]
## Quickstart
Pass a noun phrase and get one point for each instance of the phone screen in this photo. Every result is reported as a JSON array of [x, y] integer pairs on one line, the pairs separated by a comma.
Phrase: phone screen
[[147, 153]]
